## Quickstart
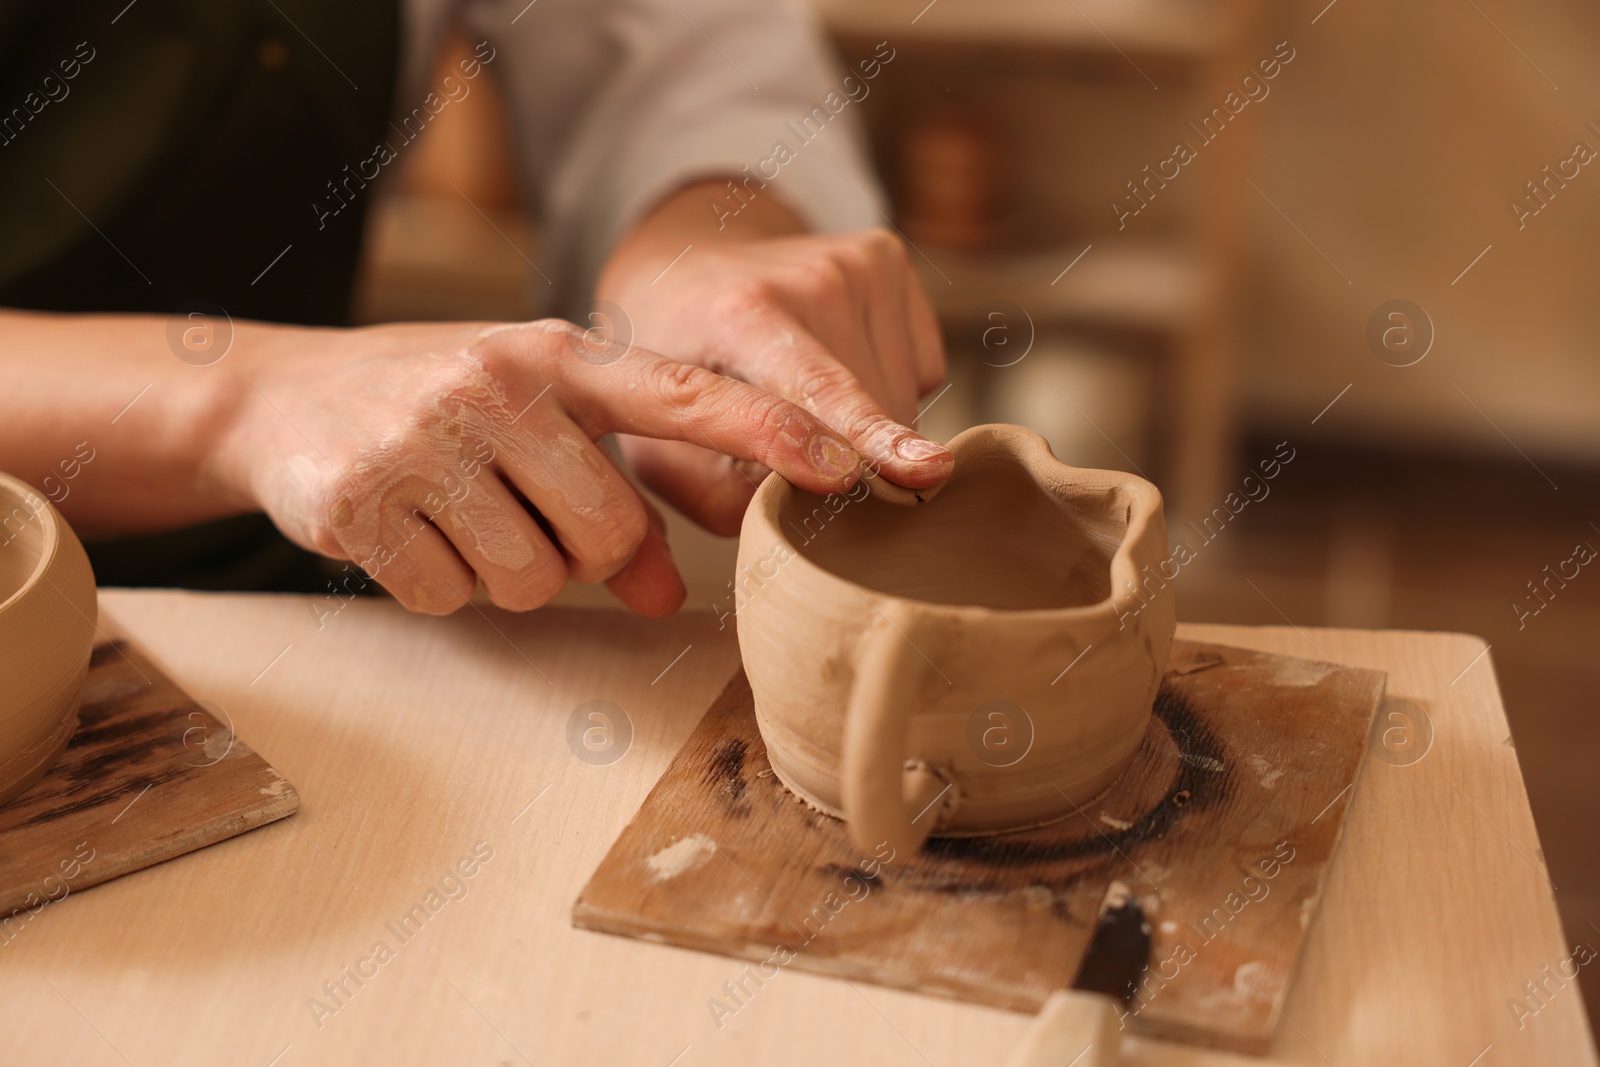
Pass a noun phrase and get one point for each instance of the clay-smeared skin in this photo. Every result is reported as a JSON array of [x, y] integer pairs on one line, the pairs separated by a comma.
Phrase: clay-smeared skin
[[343, 436], [413, 459]]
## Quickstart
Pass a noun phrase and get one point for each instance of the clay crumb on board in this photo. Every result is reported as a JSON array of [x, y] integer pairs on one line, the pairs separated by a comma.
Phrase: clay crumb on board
[[1114, 822], [278, 788], [1258, 978], [1266, 772], [1301, 673], [681, 856]]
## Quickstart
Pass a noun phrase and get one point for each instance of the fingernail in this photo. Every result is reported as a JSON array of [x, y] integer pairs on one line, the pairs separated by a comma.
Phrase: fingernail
[[831, 456], [920, 448]]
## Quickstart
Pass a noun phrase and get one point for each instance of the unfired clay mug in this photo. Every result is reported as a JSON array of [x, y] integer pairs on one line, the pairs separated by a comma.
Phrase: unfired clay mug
[[47, 628], [887, 646]]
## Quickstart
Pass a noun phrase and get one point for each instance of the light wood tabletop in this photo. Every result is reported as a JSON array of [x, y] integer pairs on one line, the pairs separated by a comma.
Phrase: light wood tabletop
[[424, 749]]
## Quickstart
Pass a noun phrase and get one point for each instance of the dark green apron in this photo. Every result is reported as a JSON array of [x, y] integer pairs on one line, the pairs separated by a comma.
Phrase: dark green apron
[[187, 158]]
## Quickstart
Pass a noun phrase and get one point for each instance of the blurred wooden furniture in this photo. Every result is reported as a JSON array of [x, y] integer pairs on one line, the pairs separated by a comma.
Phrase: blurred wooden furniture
[[1145, 69], [412, 739], [450, 238]]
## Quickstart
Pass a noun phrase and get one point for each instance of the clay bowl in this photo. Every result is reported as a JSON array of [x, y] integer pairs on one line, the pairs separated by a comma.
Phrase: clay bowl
[[47, 627], [982, 662]]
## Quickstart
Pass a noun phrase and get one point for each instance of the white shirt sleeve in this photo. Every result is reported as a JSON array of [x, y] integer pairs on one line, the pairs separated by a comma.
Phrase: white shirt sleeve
[[616, 103]]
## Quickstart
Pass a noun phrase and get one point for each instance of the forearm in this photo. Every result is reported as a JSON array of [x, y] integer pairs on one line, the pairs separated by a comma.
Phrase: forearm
[[100, 415]]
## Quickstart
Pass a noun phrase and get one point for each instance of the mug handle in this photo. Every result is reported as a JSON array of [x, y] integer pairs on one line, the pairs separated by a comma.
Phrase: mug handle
[[885, 799]]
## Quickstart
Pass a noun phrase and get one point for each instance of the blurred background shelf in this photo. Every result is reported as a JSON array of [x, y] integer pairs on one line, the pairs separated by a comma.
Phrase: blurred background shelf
[[1153, 286], [430, 257], [1170, 28], [1006, 133]]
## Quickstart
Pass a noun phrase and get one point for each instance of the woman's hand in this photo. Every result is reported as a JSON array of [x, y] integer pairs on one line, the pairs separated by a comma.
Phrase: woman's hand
[[838, 323], [435, 455]]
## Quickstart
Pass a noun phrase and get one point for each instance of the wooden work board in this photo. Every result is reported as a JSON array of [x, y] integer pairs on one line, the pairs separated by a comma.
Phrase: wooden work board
[[148, 775], [1223, 826]]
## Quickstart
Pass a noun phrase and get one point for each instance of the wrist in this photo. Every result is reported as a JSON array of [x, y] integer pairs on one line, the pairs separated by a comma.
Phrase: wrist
[[233, 415], [712, 210], [731, 209]]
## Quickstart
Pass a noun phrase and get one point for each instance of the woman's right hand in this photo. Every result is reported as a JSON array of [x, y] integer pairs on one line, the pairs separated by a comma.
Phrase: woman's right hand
[[433, 455]]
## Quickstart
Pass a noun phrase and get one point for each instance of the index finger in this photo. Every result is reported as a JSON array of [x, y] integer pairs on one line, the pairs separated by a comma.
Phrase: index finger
[[810, 374], [649, 395]]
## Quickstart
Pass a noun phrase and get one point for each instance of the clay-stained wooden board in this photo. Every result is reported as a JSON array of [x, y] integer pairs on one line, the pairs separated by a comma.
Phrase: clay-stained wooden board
[[1224, 826], [149, 775]]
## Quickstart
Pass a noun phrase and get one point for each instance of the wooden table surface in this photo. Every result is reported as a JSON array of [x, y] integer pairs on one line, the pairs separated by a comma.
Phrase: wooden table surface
[[420, 746]]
